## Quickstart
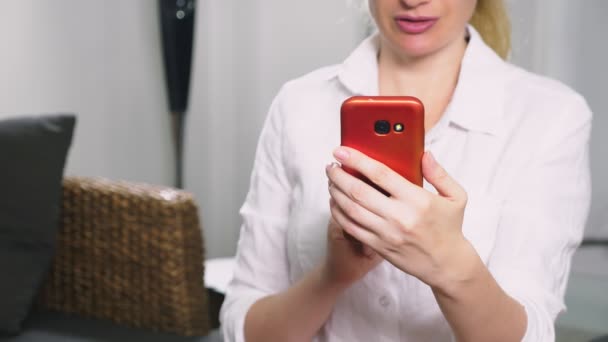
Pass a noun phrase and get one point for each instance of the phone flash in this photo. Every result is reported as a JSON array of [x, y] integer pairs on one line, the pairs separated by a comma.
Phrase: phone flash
[[398, 127]]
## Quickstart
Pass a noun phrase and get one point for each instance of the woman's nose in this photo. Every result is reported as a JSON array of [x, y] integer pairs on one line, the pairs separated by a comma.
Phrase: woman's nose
[[413, 3]]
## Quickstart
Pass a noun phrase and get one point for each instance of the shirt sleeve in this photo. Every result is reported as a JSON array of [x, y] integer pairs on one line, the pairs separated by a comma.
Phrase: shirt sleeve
[[543, 220], [261, 262]]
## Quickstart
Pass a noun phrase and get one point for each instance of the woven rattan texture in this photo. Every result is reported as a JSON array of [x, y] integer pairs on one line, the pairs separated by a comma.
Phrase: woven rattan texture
[[130, 253]]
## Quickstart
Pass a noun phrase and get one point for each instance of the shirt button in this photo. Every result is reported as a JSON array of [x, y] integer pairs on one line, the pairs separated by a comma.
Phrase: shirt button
[[384, 301]]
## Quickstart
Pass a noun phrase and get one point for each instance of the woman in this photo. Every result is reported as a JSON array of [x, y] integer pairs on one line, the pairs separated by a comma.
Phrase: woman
[[482, 253]]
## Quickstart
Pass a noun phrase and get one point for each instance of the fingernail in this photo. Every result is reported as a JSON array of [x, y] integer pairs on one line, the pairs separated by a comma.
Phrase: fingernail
[[330, 166], [341, 154]]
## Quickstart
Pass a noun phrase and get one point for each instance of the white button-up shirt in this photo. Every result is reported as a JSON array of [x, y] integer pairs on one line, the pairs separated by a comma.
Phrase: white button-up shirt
[[517, 142]]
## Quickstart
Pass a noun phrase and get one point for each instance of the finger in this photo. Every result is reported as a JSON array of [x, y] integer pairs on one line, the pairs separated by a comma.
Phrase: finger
[[438, 177], [337, 233], [358, 191], [355, 211], [376, 172], [355, 230]]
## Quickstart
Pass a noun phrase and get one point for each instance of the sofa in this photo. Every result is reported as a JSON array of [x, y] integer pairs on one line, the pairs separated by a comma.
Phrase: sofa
[[128, 266]]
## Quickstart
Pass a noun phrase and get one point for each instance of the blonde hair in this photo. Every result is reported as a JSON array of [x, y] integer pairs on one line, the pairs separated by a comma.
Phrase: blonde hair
[[492, 21]]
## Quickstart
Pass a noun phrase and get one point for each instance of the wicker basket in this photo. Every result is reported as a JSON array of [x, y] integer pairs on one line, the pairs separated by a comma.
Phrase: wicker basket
[[130, 253]]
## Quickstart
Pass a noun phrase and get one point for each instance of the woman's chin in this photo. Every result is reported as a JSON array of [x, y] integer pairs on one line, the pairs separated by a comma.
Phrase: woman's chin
[[415, 50], [411, 46]]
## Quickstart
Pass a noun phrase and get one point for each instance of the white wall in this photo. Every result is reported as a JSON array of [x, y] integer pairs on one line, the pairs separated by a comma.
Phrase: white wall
[[245, 51], [101, 60]]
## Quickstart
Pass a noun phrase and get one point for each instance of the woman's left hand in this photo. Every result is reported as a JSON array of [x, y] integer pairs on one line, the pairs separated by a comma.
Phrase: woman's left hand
[[415, 230]]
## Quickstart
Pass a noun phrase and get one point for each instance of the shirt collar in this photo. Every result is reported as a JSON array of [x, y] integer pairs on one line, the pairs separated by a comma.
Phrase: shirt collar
[[477, 102], [359, 72]]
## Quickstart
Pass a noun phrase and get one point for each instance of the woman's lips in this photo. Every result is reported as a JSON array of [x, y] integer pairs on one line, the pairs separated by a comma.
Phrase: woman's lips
[[415, 25]]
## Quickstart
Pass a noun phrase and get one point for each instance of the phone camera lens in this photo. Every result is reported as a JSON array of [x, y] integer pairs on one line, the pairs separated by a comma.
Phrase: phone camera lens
[[382, 127]]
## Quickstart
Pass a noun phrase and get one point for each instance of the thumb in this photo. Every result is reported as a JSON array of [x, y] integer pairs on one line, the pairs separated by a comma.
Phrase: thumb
[[440, 179]]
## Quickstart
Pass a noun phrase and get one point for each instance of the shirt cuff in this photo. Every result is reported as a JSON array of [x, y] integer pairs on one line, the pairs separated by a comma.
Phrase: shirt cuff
[[541, 310], [233, 313]]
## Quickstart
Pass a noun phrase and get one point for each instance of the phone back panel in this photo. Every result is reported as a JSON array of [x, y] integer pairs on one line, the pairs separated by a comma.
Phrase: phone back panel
[[401, 151]]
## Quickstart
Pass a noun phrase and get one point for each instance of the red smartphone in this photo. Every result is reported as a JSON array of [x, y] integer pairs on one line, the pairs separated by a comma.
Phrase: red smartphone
[[389, 129]]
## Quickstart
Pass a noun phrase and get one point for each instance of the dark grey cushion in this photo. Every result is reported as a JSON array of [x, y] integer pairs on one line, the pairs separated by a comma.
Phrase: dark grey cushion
[[32, 157], [61, 327]]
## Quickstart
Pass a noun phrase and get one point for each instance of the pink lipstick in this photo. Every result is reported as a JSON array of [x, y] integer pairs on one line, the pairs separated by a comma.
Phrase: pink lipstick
[[415, 25]]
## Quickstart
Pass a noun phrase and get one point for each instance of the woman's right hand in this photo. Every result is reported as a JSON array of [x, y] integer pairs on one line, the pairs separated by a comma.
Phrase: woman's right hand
[[347, 260]]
